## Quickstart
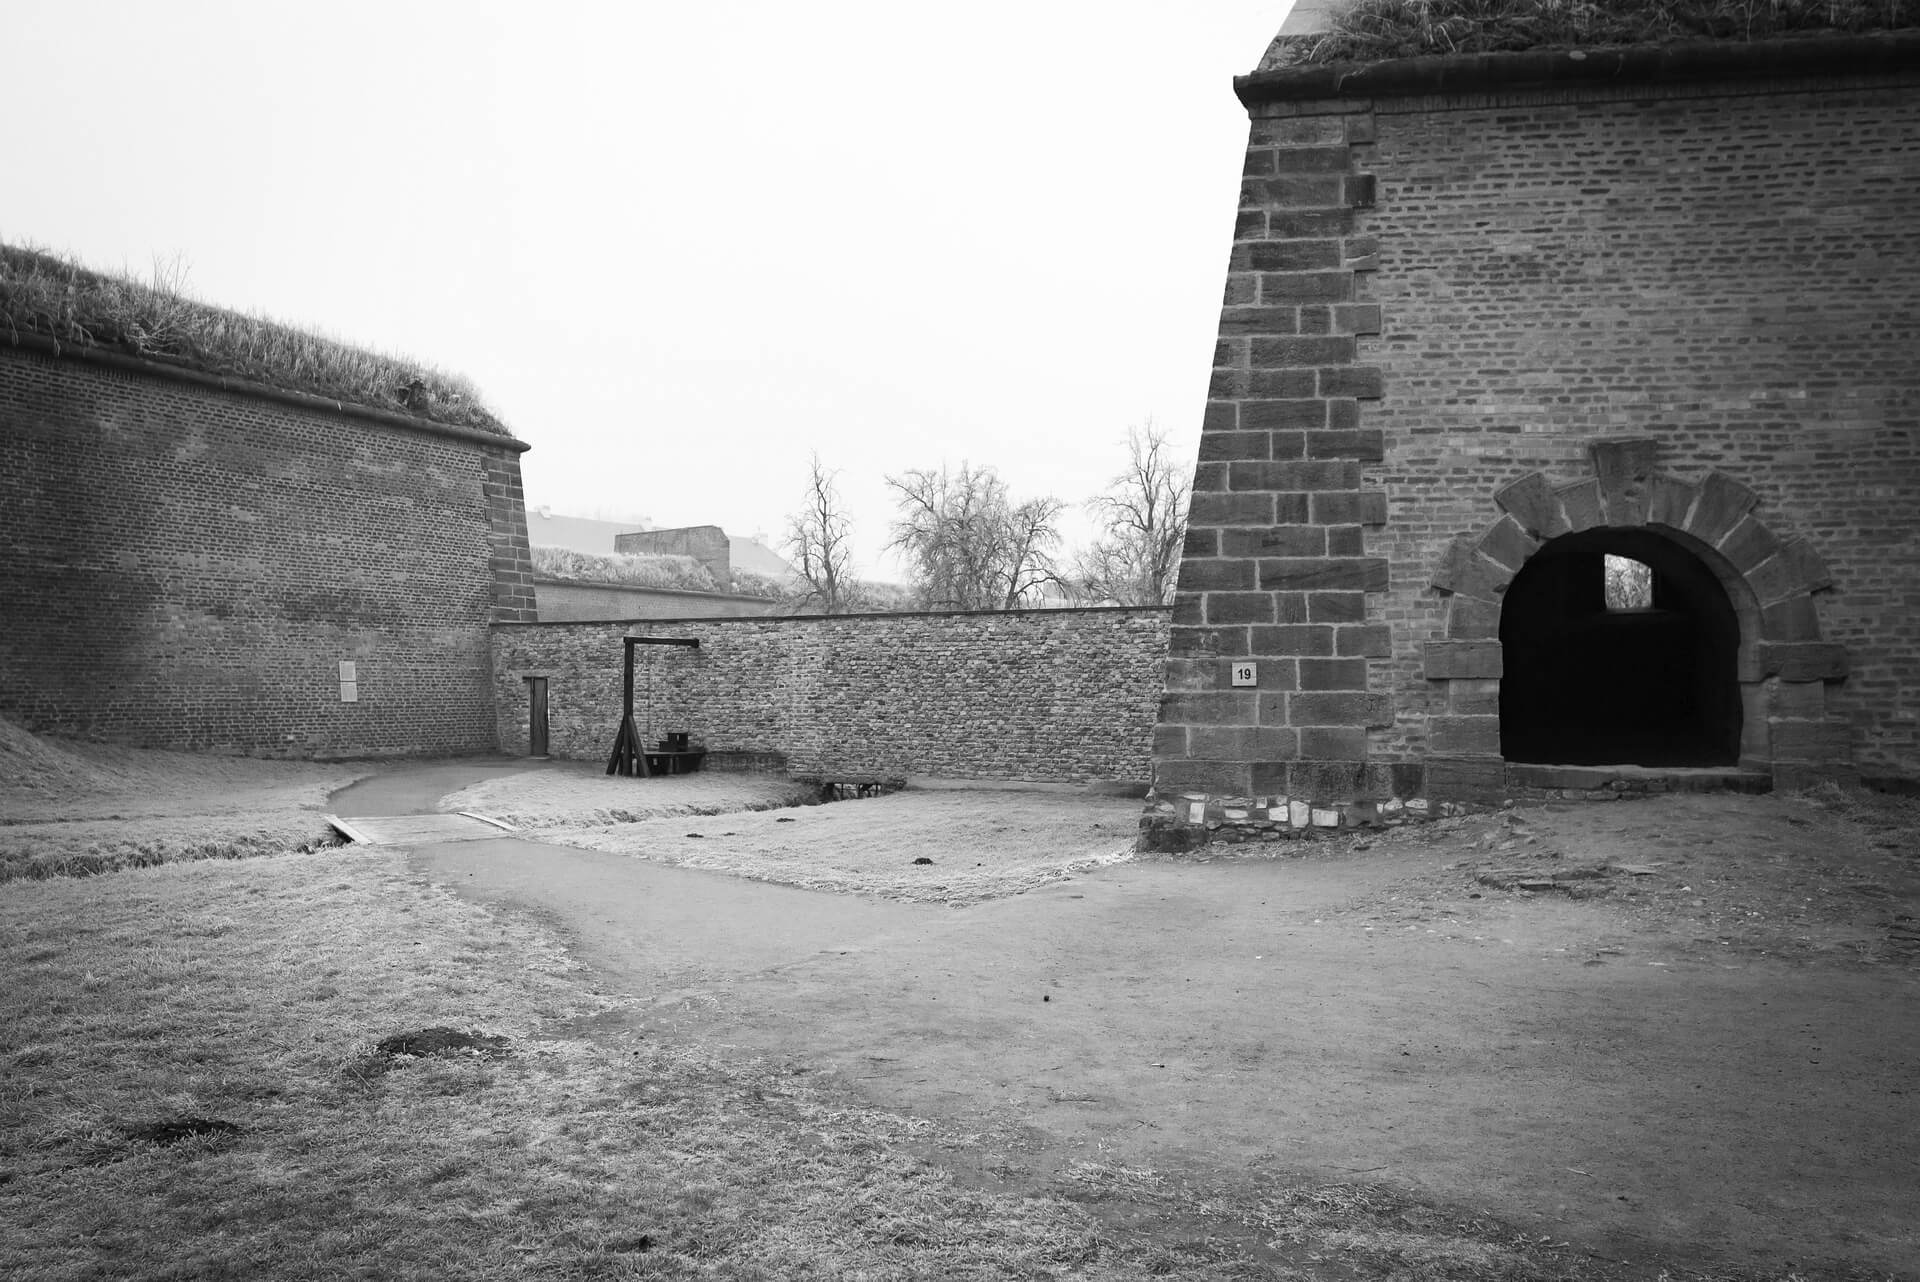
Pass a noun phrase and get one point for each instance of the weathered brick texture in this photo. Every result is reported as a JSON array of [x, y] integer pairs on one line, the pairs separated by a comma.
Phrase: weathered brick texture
[[1050, 695], [1275, 570], [188, 566], [1730, 274], [1439, 302]]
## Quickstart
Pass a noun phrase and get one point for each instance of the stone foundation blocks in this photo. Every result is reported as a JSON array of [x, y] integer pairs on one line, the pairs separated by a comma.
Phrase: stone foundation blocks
[[1803, 660], [1189, 821], [1450, 660], [1454, 736]]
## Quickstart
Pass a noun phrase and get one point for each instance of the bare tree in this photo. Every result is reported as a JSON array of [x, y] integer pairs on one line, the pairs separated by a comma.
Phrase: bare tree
[[971, 547], [1629, 583], [1031, 533], [1143, 520], [819, 545]]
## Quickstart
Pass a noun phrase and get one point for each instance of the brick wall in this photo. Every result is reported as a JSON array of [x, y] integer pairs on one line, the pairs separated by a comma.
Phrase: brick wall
[[1734, 276], [187, 565], [1051, 695], [1444, 284]]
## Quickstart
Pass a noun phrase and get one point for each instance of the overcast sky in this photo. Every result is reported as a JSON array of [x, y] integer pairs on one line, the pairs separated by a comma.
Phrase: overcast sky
[[680, 247]]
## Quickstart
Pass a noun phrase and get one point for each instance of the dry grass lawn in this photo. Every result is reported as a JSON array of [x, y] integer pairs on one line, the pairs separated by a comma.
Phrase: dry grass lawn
[[252, 994], [978, 845], [245, 1001], [582, 794], [191, 1084]]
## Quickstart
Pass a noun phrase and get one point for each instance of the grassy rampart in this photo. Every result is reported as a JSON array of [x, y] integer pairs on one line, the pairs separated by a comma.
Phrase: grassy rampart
[[56, 297], [1376, 30]]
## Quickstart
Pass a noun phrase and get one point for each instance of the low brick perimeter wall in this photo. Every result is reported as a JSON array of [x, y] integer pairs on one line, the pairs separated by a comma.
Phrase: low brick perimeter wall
[[1065, 696]]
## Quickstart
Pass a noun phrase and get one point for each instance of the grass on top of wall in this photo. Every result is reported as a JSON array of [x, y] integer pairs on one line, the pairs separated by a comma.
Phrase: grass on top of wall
[[675, 573], [55, 296], [1375, 30], [748, 583], [653, 570]]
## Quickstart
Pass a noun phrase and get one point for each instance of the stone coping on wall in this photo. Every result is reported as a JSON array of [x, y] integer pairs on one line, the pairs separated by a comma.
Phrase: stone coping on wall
[[1886, 52], [41, 345], [882, 616]]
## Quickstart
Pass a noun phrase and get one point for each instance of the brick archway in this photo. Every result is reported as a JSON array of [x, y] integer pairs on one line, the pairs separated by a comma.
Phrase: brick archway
[[1782, 664]]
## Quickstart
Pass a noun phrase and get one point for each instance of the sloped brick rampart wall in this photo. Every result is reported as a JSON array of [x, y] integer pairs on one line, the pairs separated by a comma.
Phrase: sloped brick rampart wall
[[187, 566], [1046, 695], [1451, 277]]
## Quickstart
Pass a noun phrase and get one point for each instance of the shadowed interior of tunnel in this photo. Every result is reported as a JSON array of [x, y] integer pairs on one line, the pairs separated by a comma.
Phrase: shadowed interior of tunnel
[[1586, 684]]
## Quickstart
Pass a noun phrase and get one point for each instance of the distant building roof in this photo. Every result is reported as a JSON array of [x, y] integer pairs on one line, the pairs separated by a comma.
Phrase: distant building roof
[[575, 533], [581, 534], [754, 555]]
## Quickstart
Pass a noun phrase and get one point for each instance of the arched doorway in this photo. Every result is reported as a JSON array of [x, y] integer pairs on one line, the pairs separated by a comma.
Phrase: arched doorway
[[1648, 679], [1534, 672]]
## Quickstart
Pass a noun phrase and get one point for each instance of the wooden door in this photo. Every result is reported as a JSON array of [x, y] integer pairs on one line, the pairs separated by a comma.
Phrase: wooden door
[[536, 716]]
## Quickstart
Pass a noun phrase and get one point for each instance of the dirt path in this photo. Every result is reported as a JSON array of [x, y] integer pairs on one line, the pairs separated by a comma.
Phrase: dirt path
[[1677, 1067], [674, 936], [417, 789]]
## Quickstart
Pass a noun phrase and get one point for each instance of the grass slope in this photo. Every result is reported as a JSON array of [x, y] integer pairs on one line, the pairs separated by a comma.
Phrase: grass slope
[[70, 808], [676, 573], [56, 297], [1375, 30]]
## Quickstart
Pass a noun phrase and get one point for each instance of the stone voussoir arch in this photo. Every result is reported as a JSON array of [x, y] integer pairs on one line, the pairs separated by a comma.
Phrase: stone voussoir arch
[[1782, 664]]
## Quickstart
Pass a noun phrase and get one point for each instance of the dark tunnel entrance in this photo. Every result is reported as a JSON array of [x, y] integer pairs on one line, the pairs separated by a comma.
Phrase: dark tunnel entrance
[[1585, 683]]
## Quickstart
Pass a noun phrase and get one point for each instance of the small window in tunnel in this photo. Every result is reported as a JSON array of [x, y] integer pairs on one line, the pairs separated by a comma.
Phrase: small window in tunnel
[[1629, 584]]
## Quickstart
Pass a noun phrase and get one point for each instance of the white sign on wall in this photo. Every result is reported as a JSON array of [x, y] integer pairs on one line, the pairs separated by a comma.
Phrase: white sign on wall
[[349, 681], [1246, 674]]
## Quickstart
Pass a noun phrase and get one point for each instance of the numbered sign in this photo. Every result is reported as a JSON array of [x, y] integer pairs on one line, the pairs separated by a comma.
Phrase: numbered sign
[[1246, 674]]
